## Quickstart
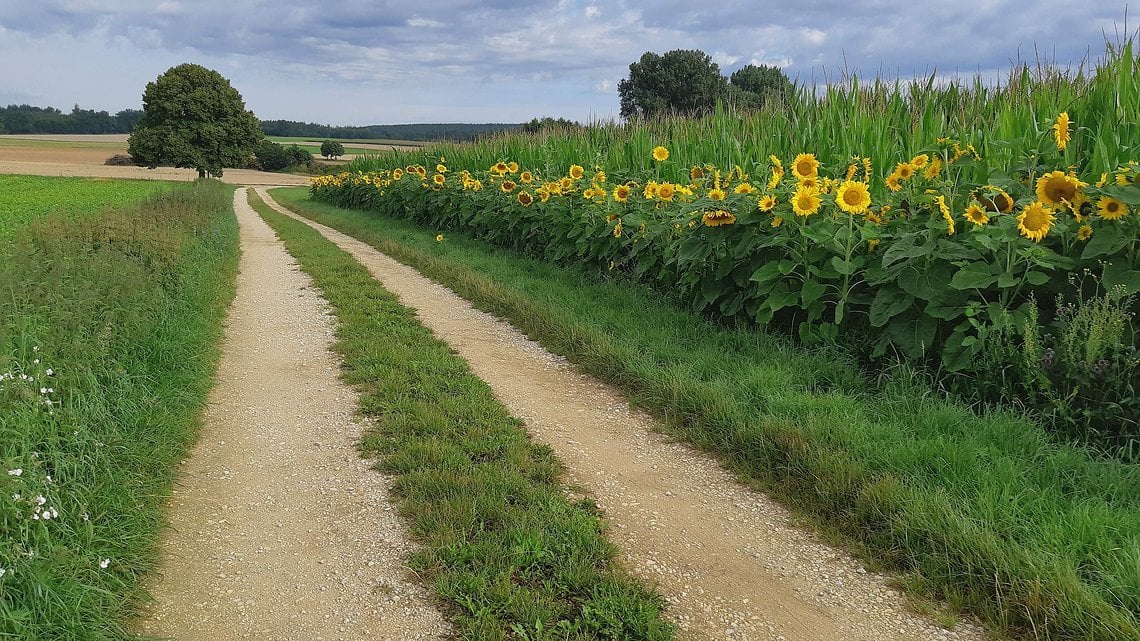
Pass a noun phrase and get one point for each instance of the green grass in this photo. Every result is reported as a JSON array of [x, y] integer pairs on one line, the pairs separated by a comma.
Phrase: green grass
[[981, 511], [302, 140], [511, 554], [125, 309], [24, 198], [74, 144]]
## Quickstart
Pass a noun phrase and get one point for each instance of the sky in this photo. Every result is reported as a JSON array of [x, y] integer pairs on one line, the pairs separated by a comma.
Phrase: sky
[[355, 62]]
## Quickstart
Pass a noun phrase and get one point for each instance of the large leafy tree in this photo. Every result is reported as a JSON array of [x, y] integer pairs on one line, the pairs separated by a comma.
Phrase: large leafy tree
[[192, 117], [759, 84], [682, 81]]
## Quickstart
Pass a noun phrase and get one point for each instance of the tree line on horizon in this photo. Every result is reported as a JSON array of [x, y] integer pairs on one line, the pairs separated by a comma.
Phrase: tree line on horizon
[[28, 119]]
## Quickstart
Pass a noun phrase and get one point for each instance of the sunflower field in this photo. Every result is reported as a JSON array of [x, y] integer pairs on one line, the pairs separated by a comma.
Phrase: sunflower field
[[988, 233]]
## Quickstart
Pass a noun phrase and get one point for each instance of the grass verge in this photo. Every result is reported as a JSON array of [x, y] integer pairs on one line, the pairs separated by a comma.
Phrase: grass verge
[[109, 333], [981, 511], [503, 542]]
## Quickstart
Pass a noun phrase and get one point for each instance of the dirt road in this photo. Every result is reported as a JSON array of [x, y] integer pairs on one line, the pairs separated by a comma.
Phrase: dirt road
[[727, 558], [279, 530]]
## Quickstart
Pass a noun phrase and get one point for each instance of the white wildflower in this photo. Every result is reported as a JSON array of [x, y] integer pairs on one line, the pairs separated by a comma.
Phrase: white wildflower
[[3, 571], [40, 500], [104, 563], [16, 472], [49, 371]]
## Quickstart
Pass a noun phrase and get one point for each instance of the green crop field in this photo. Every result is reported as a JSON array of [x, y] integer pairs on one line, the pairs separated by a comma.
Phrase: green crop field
[[23, 198]]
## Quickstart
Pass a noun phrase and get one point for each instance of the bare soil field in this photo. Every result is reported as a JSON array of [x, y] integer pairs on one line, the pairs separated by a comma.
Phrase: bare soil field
[[64, 160]]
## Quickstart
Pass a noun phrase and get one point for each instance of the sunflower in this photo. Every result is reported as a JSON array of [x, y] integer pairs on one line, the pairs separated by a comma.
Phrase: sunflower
[[892, 182], [665, 191], [767, 202], [439, 238], [811, 182], [617, 229], [543, 194], [696, 173], [512, 166], [777, 176], [872, 245], [976, 214], [1035, 220], [805, 202], [476, 185], [600, 177], [660, 154], [805, 166], [397, 173], [853, 197], [1000, 201], [525, 199], [904, 170], [576, 172], [946, 214], [621, 193], [777, 221], [1056, 188], [933, 169], [717, 217], [439, 179], [507, 186], [1084, 232], [920, 161], [744, 188], [500, 168], [716, 193], [526, 177], [565, 184], [1061, 130], [1111, 209]]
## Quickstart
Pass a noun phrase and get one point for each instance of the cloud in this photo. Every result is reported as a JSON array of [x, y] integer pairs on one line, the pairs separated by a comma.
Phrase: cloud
[[390, 60]]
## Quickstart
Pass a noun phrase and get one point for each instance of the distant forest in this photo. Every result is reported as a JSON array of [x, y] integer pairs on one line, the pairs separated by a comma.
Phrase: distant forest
[[25, 119]]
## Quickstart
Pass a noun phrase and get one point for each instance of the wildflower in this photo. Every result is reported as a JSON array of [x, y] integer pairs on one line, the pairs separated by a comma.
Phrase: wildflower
[[976, 214], [805, 202], [612, 265], [576, 172], [1085, 232], [853, 197], [767, 202], [1035, 221], [3, 571], [1111, 208], [439, 238], [660, 154], [104, 563], [16, 472], [805, 166], [1061, 131]]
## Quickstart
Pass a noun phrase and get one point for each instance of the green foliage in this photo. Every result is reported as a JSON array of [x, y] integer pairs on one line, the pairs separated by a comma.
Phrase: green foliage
[[760, 84], [331, 149], [549, 124], [681, 81], [26, 119], [192, 117], [109, 326], [502, 543], [1038, 538], [412, 132]]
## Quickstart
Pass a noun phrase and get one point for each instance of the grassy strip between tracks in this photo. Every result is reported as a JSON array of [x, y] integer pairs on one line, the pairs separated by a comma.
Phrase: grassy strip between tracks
[[979, 510], [505, 545], [110, 325]]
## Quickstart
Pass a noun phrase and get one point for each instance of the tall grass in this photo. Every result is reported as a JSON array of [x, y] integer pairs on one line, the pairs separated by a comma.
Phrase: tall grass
[[25, 198], [109, 327], [884, 120]]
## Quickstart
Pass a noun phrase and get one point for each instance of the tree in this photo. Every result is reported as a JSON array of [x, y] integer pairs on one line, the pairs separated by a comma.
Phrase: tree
[[682, 81], [192, 117], [331, 149], [764, 83]]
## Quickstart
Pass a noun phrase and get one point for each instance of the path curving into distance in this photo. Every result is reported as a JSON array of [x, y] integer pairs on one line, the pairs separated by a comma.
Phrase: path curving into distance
[[280, 531], [727, 559]]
